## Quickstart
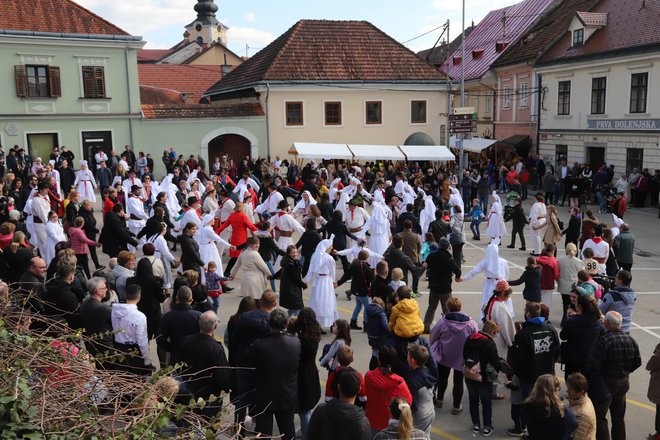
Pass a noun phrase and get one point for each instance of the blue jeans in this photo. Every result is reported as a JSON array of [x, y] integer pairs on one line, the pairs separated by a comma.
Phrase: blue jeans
[[483, 200], [216, 303], [601, 200], [480, 392], [304, 422], [474, 227], [359, 302], [269, 263]]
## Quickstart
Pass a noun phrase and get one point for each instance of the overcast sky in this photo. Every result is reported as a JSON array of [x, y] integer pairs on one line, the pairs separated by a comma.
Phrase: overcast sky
[[256, 23]]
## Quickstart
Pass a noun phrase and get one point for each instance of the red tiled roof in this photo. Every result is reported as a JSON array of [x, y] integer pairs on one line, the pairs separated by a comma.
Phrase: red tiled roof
[[150, 55], [182, 78], [628, 27], [156, 95], [196, 111], [324, 50], [490, 31], [532, 44], [60, 16], [593, 18]]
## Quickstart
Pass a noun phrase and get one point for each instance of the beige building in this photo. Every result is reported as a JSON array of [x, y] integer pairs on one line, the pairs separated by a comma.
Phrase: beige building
[[338, 82]]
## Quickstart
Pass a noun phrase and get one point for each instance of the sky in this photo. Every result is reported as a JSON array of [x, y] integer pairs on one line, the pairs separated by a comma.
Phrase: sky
[[255, 23]]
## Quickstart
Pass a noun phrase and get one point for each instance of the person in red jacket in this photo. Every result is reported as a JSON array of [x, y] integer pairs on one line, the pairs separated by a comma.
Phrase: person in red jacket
[[239, 223], [549, 273], [382, 386]]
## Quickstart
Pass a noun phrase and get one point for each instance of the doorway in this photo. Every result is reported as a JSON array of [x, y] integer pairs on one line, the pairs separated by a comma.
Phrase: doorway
[[92, 141], [41, 145], [234, 146], [595, 157]]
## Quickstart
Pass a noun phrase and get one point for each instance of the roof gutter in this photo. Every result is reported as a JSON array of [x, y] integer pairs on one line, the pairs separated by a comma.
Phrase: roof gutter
[[267, 124], [104, 37]]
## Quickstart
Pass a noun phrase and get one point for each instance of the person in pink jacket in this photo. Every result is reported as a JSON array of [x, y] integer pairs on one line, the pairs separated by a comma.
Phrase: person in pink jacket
[[79, 243]]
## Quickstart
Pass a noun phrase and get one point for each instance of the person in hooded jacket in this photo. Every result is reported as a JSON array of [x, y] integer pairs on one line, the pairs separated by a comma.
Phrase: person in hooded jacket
[[377, 328], [447, 339], [152, 294], [581, 330], [59, 299], [340, 418], [621, 298], [421, 383], [291, 284], [441, 266]]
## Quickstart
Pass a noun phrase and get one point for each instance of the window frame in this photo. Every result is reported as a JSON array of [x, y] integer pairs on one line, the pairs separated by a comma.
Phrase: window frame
[[51, 78], [424, 112], [94, 83], [286, 113], [488, 102], [635, 89], [506, 98], [380, 112], [325, 114], [578, 37], [523, 101], [598, 95], [564, 98], [634, 162]]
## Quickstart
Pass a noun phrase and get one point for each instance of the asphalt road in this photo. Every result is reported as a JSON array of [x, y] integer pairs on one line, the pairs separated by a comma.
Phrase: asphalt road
[[640, 412]]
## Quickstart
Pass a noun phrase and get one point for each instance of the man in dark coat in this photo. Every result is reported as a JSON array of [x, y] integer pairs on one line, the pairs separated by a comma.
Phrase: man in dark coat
[[439, 227], [67, 177], [33, 284], [441, 266], [178, 323], [115, 236], [519, 219], [340, 418], [408, 215], [207, 371], [190, 258], [96, 317], [396, 258], [275, 358], [59, 300]]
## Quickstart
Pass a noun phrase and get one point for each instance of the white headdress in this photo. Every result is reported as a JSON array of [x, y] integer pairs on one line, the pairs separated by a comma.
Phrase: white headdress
[[493, 257], [301, 204], [342, 204], [83, 163], [321, 249], [208, 218]]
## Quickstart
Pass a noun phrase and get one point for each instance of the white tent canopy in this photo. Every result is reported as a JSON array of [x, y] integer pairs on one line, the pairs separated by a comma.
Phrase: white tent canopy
[[438, 153], [474, 145], [376, 152], [306, 150]]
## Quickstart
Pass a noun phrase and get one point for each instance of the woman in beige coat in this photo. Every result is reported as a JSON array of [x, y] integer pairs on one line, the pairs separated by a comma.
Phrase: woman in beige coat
[[553, 231], [582, 407], [254, 270], [653, 365]]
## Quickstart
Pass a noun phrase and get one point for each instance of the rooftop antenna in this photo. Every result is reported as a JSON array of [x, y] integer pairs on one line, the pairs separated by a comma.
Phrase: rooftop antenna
[[643, 5]]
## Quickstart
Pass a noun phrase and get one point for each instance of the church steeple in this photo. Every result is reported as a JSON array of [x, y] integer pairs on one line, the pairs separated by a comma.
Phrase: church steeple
[[206, 10], [206, 29]]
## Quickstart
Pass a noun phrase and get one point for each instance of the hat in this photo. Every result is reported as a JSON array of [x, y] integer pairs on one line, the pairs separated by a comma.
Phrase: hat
[[443, 244], [42, 185], [379, 181], [134, 187], [192, 201], [355, 201], [539, 195], [388, 183], [502, 285]]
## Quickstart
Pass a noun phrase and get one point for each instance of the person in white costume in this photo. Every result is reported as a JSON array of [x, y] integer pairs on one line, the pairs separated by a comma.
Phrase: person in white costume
[[286, 225], [208, 240], [600, 247], [352, 187], [379, 229], [408, 195], [164, 255], [617, 224], [356, 218], [379, 191], [50, 170], [99, 157], [334, 188], [191, 214], [170, 189], [536, 223], [85, 182], [495, 269], [455, 199], [272, 201], [399, 186], [40, 208], [54, 234], [131, 181], [302, 207], [321, 276], [427, 215], [137, 218], [342, 204], [225, 209], [244, 182], [496, 227], [352, 253]]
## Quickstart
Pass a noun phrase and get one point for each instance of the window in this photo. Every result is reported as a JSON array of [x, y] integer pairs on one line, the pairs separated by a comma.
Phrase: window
[[561, 153], [564, 98], [578, 37], [418, 112], [93, 82], [638, 92], [333, 113], [506, 97], [374, 112], [524, 95], [294, 113], [475, 104], [488, 103], [37, 81], [598, 87], [634, 159]]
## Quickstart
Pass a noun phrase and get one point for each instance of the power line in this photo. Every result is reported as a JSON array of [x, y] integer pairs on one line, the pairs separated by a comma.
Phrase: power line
[[425, 33]]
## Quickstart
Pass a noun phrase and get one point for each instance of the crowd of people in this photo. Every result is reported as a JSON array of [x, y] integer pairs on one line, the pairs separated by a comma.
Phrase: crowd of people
[[392, 227]]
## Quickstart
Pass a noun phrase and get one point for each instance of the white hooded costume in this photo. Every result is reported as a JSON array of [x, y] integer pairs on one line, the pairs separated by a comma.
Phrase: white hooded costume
[[322, 296], [207, 239], [54, 234], [302, 206], [496, 269], [617, 224], [85, 182], [496, 227], [427, 215], [378, 226]]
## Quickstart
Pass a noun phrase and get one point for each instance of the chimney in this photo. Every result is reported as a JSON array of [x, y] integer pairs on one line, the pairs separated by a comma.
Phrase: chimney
[[225, 69]]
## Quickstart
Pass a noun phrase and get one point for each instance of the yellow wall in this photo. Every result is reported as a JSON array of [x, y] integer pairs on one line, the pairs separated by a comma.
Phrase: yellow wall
[[216, 56]]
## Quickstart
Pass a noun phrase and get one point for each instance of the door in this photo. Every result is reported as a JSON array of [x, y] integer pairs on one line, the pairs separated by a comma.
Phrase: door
[[92, 141], [41, 145], [233, 146], [595, 157]]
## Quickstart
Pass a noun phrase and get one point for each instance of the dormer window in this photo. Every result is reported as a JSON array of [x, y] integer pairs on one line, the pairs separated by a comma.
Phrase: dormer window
[[578, 37], [457, 60], [477, 53], [501, 45]]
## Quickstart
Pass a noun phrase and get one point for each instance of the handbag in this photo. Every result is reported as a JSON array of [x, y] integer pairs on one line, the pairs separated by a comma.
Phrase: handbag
[[472, 369]]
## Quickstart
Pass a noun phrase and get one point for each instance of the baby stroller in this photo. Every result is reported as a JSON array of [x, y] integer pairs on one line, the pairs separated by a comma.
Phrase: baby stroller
[[510, 203]]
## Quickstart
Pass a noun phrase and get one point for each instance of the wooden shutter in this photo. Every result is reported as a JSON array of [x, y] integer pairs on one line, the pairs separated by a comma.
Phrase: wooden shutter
[[93, 81], [99, 81], [54, 81], [20, 75]]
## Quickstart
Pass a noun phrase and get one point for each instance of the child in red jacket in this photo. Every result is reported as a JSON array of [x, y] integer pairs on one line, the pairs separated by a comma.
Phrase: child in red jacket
[[549, 273]]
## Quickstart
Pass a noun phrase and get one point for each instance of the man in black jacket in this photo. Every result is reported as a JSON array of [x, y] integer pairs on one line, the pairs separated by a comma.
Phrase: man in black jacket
[[396, 258], [535, 349], [439, 227], [178, 323], [340, 418], [380, 287], [359, 272], [519, 221], [440, 268], [59, 300], [115, 236], [275, 358], [96, 318], [408, 215], [207, 371], [190, 258], [67, 177]]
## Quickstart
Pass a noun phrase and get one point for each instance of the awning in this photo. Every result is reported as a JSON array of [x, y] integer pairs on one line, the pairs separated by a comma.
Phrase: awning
[[306, 150], [518, 141], [376, 152], [438, 153], [474, 145]]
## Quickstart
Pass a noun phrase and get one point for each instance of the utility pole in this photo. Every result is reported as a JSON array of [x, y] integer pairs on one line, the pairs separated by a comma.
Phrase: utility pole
[[459, 136]]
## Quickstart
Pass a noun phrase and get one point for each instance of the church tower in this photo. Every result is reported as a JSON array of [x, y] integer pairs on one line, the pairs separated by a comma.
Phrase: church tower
[[206, 29]]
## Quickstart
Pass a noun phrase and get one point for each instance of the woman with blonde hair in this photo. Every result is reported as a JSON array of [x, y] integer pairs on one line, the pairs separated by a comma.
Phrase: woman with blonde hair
[[120, 174], [569, 266], [400, 426], [545, 414], [553, 231]]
